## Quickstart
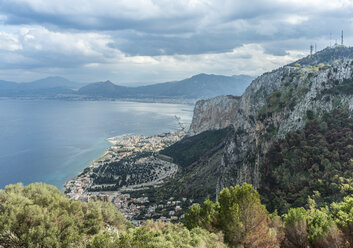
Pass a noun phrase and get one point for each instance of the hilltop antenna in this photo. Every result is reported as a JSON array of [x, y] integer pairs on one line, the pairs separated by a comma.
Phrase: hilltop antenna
[[311, 50], [342, 37]]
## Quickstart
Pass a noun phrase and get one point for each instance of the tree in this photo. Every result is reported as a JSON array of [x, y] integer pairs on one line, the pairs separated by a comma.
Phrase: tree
[[239, 214], [295, 228]]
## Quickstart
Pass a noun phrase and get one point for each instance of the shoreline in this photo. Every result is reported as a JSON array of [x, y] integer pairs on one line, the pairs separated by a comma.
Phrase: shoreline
[[92, 99], [126, 147], [122, 144]]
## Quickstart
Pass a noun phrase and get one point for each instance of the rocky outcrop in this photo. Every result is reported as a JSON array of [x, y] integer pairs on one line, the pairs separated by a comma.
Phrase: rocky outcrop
[[212, 114], [275, 104]]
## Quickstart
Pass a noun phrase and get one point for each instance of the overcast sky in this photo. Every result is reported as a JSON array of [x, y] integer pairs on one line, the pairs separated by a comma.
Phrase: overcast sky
[[129, 41]]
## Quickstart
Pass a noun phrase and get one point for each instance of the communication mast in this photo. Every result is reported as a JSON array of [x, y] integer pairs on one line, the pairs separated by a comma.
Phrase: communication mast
[[311, 50], [342, 38]]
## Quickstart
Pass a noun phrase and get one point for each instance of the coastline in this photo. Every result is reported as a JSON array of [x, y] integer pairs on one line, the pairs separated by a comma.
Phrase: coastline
[[93, 99], [122, 146], [32, 150], [127, 146]]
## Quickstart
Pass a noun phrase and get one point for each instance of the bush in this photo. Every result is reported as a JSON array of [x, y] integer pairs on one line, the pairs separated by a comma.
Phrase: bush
[[38, 215]]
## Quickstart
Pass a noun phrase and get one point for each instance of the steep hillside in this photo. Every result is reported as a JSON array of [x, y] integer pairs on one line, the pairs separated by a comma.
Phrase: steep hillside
[[315, 161], [275, 104], [198, 158]]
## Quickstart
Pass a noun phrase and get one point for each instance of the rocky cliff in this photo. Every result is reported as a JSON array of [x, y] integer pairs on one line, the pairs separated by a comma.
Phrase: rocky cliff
[[213, 114], [274, 104]]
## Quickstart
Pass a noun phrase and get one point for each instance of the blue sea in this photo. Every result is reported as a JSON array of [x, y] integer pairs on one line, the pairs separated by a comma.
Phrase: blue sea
[[52, 141]]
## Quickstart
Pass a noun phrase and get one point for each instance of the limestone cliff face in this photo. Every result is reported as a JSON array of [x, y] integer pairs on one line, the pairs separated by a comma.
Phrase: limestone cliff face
[[212, 114], [273, 105]]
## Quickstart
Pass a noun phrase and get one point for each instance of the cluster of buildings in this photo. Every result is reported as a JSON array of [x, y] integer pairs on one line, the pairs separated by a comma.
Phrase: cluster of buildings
[[126, 145], [140, 209], [136, 209]]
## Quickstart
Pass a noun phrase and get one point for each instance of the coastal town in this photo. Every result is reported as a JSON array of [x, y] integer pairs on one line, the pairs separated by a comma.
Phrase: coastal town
[[128, 168]]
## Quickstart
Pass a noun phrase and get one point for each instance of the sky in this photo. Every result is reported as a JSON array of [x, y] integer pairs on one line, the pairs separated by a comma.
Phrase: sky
[[131, 41]]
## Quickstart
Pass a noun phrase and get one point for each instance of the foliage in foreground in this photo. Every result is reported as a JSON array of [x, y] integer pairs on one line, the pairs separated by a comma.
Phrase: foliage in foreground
[[40, 216], [245, 222], [160, 235], [238, 214]]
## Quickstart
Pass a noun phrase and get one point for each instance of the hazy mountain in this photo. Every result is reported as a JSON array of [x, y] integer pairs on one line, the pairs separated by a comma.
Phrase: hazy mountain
[[51, 82], [46, 87], [196, 87], [103, 89]]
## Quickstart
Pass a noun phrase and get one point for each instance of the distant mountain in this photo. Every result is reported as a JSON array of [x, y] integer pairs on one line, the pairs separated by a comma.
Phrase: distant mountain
[[46, 87], [196, 87], [103, 89], [51, 82]]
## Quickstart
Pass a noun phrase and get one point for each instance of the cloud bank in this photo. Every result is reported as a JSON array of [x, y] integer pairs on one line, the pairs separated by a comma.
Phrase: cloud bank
[[157, 40]]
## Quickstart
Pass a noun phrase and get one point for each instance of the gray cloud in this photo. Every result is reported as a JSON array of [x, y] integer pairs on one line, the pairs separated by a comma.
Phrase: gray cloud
[[105, 36]]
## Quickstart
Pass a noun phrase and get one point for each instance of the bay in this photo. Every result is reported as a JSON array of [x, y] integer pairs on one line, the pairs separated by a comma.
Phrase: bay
[[52, 141]]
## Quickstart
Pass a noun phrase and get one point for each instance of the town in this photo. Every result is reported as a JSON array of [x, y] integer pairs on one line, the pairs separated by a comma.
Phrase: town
[[128, 168]]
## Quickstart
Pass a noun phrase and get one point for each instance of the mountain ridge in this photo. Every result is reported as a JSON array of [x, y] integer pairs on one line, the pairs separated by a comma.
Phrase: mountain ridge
[[196, 87], [190, 89]]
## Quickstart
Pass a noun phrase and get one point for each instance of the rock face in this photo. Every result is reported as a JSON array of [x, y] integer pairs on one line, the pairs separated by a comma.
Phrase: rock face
[[275, 104], [212, 114]]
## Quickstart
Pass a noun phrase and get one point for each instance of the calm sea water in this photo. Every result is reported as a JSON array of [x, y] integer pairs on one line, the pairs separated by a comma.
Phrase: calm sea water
[[52, 141]]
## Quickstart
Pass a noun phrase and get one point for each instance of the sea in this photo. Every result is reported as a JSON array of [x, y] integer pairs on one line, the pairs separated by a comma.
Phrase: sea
[[51, 141]]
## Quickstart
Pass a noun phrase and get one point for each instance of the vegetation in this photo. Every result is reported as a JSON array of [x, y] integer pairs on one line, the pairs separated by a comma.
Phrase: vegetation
[[39, 215], [190, 149], [316, 161], [244, 221], [165, 235], [344, 88], [285, 97], [239, 215]]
